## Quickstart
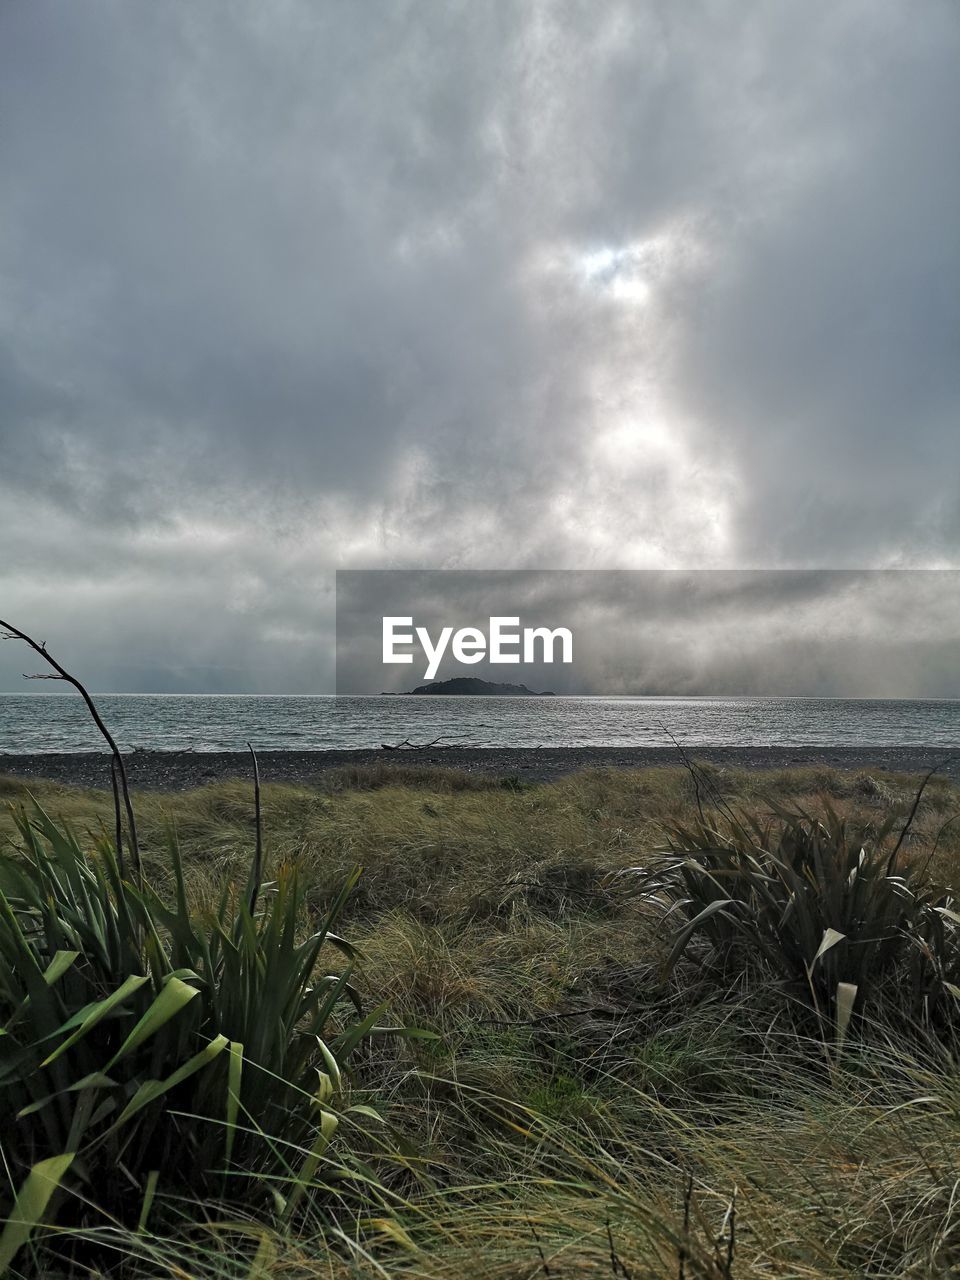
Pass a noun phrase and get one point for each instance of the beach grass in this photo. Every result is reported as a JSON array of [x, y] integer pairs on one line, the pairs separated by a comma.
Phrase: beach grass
[[580, 1107]]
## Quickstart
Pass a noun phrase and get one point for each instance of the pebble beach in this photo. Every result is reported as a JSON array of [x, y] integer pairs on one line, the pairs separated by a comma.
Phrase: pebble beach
[[182, 770]]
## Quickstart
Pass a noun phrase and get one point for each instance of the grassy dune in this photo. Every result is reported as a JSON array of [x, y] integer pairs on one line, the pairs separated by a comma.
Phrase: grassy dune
[[580, 1112]]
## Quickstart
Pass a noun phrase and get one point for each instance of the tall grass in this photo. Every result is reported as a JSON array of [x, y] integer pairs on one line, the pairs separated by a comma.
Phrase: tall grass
[[841, 1177], [832, 906], [583, 1111], [149, 1048]]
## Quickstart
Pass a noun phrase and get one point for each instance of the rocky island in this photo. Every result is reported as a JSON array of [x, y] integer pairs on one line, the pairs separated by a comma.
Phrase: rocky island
[[471, 686]]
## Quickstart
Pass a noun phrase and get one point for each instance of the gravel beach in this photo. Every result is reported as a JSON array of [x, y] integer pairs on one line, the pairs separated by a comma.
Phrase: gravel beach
[[181, 770]]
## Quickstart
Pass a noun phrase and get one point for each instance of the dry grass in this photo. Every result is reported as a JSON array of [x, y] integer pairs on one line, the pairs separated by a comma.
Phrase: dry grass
[[610, 1143]]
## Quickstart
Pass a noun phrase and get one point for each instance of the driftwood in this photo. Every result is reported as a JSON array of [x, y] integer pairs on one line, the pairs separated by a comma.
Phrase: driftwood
[[407, 745]]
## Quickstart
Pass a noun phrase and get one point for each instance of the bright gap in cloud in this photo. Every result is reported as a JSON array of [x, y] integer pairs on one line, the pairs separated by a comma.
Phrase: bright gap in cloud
[[627, 443], [624, 273]]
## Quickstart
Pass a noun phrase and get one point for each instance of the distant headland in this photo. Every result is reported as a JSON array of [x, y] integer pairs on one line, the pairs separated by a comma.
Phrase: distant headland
[[470, 686]]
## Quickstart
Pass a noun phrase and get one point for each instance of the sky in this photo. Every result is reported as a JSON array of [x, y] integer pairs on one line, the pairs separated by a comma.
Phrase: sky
[[310, 285], [873, 633]]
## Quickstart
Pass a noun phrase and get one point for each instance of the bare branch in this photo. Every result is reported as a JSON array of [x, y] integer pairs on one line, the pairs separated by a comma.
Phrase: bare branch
[[257, 874], [701, 781], [117, 822], [14, 633], [892, 860]]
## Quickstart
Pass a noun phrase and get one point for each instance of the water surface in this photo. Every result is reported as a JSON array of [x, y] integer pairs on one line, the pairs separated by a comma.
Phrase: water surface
[[36, 722]]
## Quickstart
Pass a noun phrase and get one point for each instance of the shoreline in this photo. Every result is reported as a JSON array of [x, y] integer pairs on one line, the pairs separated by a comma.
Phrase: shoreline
[[183, 770]]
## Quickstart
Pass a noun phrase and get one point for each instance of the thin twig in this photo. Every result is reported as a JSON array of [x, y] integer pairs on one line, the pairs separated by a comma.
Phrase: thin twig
[[700, 779], [617, 1266], [683, 1251], [732, 1238], [892, 860], [543, 1260], [117, 820], [258, 853], [687, 764], [14, 633]]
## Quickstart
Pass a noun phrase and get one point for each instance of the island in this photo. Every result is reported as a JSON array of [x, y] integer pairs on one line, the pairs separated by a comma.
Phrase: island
[[470, 686]]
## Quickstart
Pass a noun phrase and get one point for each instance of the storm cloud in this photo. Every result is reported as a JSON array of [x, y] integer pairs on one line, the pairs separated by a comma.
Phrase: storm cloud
[[790, 633], [304, 285]]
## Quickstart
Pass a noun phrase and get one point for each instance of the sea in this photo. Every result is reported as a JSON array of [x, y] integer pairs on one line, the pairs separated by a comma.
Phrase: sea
[[41, 722]]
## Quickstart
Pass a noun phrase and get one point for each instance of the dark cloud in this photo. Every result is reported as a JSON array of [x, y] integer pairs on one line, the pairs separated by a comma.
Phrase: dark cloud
[[293, 286], [803, 633]]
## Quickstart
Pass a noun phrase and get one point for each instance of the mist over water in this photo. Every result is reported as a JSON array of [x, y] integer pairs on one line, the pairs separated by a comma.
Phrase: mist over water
[[45, 723]]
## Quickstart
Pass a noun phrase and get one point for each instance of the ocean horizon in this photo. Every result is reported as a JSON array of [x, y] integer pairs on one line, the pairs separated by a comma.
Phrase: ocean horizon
[[41, 722]]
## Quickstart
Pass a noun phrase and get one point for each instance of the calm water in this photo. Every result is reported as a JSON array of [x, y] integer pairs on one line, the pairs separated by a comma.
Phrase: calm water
[[45, 722]]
